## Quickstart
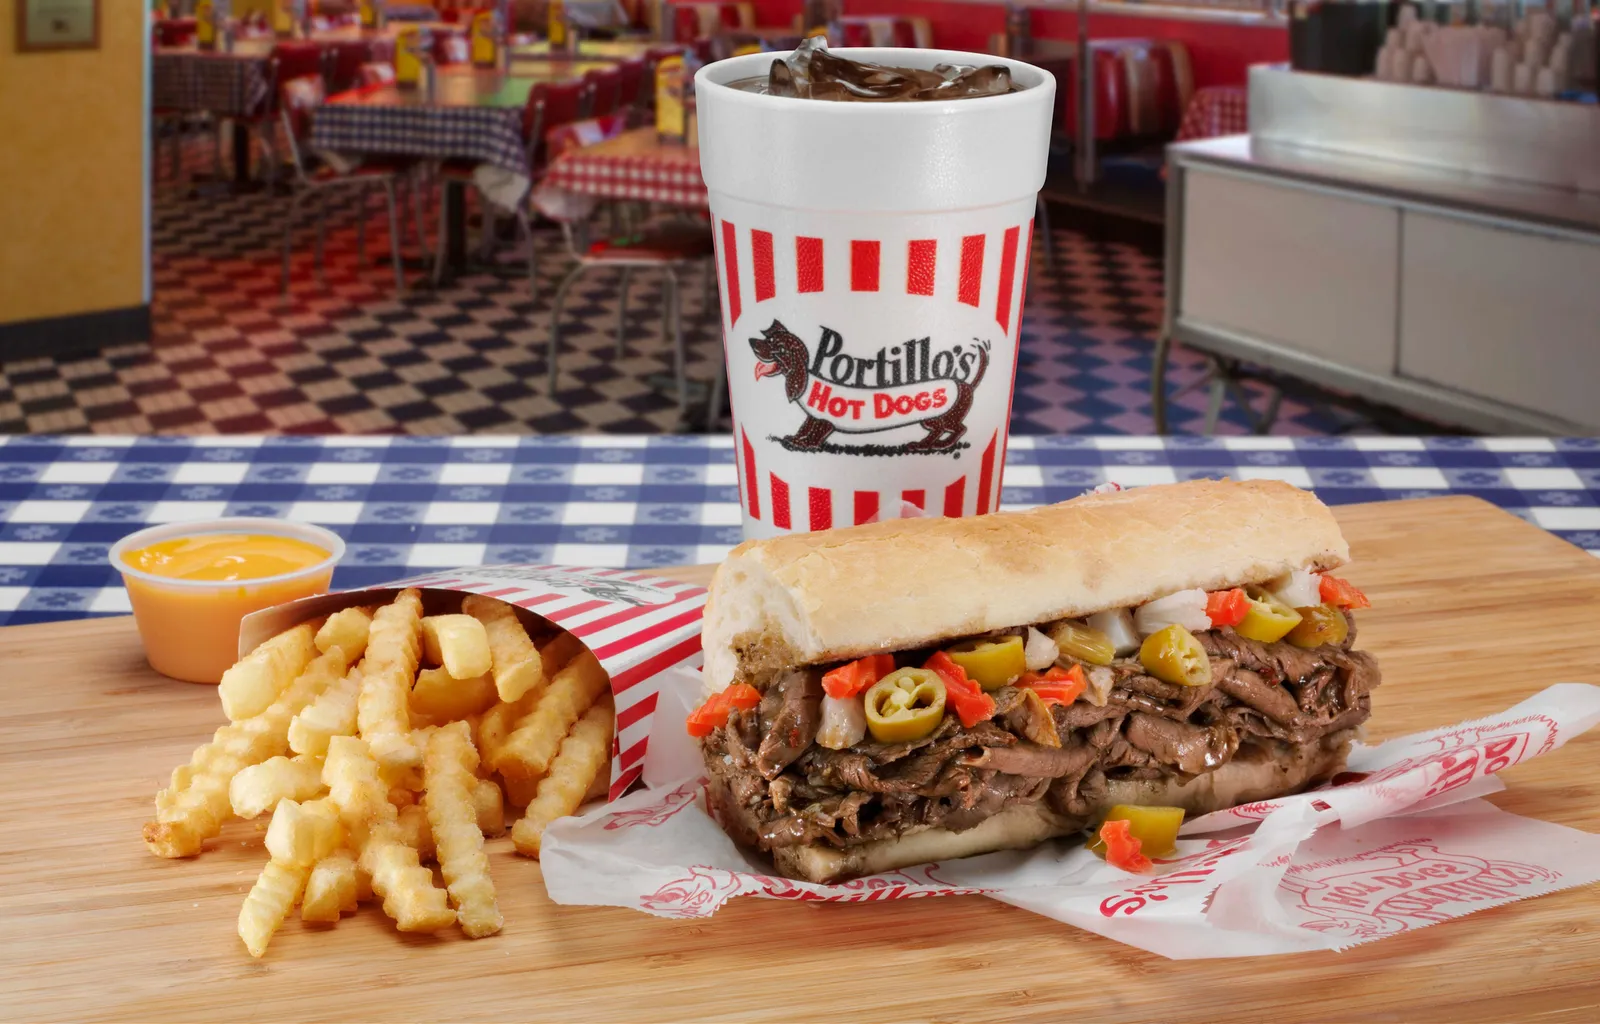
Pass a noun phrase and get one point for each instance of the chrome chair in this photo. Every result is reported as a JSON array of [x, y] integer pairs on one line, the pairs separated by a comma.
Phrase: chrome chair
[[316, 179]]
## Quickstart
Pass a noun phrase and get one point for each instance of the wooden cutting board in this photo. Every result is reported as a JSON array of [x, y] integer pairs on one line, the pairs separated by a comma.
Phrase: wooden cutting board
[[1473, 610]]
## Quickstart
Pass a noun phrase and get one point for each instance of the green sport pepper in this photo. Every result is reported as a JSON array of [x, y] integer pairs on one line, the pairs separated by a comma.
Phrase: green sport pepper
[[907, 704]]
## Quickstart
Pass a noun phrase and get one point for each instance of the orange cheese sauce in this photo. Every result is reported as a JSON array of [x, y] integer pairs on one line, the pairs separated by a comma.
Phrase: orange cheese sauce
[[191, 629], [226, 557]]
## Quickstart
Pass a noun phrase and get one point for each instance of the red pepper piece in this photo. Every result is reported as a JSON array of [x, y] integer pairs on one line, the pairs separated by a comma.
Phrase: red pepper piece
[[1227, 607], [1122, 847], [1060, 684], [742, 696], [1341, 592], [857, 676], [961, 694], [713, 714]]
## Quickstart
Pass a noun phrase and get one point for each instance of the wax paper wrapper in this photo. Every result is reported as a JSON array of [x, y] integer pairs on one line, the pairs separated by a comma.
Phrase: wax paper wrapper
[[1401, 841], [637, 625]]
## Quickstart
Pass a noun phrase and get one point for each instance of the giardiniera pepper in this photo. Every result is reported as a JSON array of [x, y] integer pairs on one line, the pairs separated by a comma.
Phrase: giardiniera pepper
[[965, 697], [905, 705]]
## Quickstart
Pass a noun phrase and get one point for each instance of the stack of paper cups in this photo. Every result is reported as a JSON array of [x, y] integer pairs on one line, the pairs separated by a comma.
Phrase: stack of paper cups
[[873, 261]]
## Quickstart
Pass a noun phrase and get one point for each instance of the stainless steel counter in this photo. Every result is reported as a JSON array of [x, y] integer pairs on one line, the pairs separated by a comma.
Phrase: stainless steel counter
[[1462, 191]]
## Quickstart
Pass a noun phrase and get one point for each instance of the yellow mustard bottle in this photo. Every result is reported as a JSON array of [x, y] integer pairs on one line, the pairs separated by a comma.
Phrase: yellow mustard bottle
[[407, 61], [485, 41], [556, 28], [205, 24]]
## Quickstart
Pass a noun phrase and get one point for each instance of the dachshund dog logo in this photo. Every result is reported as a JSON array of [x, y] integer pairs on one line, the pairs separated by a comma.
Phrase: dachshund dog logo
[[903, 385]]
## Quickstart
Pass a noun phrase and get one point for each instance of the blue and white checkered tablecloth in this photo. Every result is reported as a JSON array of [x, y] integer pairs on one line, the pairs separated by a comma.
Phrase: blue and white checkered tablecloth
[[410, 504], [485, 135]]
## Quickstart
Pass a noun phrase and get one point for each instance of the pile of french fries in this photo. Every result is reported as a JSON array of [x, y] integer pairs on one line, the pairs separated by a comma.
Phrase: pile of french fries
[[381, 740]]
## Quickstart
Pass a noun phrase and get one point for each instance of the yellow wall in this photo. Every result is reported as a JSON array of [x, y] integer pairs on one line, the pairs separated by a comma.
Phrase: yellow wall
[[72, 197]]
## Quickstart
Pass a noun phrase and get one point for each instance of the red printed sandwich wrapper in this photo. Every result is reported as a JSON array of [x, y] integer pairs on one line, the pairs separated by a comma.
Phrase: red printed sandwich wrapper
[[636, 624], [1398, 842]]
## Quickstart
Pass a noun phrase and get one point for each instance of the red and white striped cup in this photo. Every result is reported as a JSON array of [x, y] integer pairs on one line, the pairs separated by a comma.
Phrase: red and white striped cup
[[873, 259]]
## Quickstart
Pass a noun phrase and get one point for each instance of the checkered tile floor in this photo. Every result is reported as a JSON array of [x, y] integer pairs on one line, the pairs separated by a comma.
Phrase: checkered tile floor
[[353, 357]]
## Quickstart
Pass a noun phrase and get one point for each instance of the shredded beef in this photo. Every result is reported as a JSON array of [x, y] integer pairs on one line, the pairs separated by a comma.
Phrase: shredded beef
[[794, 718], [1273, 701]]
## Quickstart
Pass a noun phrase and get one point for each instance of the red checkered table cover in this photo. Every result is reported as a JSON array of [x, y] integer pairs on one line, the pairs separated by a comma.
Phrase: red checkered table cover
[[635, 165], [1216, 110]]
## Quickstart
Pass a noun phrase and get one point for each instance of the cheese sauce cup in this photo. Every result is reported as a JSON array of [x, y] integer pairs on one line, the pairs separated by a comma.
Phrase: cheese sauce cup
[[873, 260], [190, 584]]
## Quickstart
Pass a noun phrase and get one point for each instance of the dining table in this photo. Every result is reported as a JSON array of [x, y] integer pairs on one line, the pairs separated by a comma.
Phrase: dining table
[[406, 505], [472, 114], [592, 49], [236, 84], [637, 165]]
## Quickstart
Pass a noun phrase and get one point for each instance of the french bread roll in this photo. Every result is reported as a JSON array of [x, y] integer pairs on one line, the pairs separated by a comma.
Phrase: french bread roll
[[808, 599]]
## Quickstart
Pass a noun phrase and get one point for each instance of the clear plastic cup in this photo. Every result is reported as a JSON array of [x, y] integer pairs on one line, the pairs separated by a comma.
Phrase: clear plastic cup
[[190, 628]]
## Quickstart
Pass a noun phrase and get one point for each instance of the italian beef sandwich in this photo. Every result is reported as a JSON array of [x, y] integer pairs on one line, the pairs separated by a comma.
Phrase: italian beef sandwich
[[924, 689]]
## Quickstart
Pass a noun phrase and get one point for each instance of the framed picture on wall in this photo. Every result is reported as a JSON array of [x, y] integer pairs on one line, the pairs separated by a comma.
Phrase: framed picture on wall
[[45, 25]]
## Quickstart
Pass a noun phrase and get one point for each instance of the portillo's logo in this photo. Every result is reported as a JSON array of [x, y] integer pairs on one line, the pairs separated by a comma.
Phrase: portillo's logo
[[909, 384]]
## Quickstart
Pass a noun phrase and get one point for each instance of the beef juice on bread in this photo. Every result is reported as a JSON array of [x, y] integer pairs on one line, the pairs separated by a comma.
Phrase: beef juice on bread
[[922, 689]]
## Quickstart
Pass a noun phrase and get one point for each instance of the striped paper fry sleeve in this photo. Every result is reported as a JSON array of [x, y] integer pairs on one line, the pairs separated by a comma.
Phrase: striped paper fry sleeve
[[637, 625]]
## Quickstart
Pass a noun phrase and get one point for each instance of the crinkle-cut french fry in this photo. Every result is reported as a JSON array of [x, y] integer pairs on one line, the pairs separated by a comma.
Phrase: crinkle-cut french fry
[[394, 648], [489, 806], [346, 628], [517, 665], [185, 820], [416, 832], [450, 761], [584, 755], [302, 834], [258, 787], [459, 643], [559, 651], [498, 722], [406, 887], [527, 752], [440, 697], [331, 714], [331, 888], [181, 777], [520, 792], [251, 685], [600, 788], [402, 797], [357, 788], [277, 889]]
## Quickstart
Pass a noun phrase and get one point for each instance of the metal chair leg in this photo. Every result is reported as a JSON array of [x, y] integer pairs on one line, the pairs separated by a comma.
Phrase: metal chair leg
[[444, 231], [674, 311], [622, 308], [414, 187], [555, 321], [361, 228], [288, 244], [394, 235], [526, 227], [1158, 381], [322, 239]]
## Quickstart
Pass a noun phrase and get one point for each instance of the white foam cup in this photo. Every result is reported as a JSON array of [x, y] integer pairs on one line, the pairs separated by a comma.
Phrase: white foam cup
[[873, 259]]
